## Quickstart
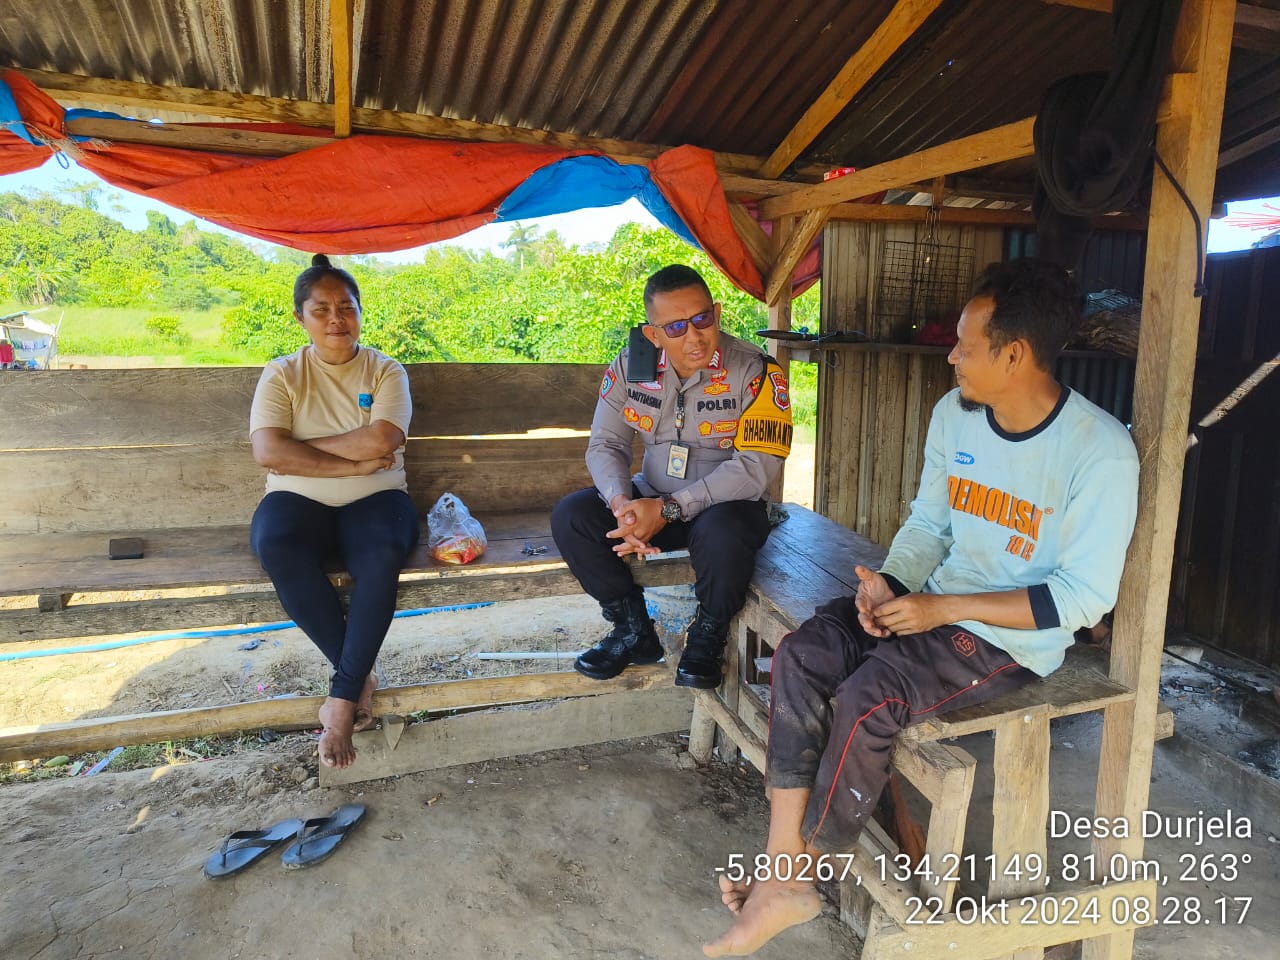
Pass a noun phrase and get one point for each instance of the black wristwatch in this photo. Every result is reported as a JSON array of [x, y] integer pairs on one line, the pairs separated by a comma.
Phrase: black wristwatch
[[671, 511]]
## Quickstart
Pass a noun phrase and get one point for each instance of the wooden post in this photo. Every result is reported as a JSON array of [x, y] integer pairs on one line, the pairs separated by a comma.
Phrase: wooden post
[[1020, 807], [702, 733], [343, 58], [1188, 143], [780, 319]]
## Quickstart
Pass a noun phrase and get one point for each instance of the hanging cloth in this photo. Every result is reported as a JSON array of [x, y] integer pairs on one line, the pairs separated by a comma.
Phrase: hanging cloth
[[369, 194]]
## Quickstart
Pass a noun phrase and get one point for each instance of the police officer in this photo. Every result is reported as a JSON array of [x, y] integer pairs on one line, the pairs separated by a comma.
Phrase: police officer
[[716, 425]]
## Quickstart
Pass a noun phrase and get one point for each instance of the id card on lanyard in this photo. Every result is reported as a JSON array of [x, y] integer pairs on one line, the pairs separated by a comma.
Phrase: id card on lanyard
[[678, 453]]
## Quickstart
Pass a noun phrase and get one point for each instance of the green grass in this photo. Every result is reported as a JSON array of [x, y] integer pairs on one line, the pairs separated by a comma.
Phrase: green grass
[[137, 757], [121, 332]]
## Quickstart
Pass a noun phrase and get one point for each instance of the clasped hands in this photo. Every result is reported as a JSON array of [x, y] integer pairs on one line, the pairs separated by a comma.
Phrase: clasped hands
[[638, 522], [882, 614]]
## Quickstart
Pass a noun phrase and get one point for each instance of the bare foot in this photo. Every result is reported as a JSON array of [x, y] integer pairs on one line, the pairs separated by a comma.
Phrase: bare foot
[[364, 718], [336, 749], [772, 907], [734, 894]]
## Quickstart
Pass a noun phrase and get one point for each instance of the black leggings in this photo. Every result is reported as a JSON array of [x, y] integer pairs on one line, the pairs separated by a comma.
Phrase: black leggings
[[293, 536]]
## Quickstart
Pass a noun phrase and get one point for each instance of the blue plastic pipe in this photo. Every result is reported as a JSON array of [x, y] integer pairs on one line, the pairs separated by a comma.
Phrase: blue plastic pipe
[[205, 634]]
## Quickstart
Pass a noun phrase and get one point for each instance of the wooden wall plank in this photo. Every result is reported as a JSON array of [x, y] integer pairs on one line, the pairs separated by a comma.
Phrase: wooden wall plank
[[141, 488], [210, 405], [891, 413]]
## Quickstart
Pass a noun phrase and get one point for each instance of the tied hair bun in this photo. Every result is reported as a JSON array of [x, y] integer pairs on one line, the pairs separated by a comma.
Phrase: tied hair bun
[[320, 260]]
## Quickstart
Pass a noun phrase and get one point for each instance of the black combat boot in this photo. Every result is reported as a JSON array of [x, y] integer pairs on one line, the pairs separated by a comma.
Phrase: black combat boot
[[632, 639], [700, 665]]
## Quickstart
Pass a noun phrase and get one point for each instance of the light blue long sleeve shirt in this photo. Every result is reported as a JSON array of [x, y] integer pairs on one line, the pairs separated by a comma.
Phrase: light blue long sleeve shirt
[[1051, 510]]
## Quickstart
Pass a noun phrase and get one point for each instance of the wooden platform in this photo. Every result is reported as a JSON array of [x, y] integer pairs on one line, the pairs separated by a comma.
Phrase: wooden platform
[[164, 455], [197, 577]]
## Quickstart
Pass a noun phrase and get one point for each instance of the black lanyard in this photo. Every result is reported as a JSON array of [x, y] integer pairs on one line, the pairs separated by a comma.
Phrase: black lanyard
[[679, 413]]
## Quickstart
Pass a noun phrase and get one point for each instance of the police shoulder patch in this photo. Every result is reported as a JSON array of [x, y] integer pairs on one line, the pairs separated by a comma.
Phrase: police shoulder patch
[[765, 426]]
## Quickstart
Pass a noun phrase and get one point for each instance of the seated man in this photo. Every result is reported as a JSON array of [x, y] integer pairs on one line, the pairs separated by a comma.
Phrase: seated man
[[1017, 538], [715, 422]]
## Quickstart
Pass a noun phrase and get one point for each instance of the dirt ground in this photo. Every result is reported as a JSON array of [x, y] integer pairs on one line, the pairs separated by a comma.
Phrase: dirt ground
[[585, 854], [592, 853]]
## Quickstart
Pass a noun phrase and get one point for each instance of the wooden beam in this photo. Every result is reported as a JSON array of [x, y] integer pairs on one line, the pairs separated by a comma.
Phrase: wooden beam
[[493, 734], [792, 251], [759, 244], [20, 743], [340, 35], [76, 89], [1247, 148], [1188, 143], [1009, 142], [903, 20], [976, 216], [186, 137]]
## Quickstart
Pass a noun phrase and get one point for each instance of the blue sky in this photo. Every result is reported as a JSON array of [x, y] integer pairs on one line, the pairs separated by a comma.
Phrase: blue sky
[[580, 227]]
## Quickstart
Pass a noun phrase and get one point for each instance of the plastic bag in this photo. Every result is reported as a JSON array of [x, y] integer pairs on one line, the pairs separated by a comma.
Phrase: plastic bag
[[453, 534]]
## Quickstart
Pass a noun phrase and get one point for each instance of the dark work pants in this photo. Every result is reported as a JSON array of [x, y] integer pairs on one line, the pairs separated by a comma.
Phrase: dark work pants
[[839, 695], [723, 541], [293, 536]]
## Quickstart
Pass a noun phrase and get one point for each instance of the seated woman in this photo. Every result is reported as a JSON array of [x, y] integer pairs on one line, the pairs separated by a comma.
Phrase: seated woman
[[329, 424]]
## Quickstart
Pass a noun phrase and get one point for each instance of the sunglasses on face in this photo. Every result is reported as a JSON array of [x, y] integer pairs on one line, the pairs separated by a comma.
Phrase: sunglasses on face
[[677, 328]]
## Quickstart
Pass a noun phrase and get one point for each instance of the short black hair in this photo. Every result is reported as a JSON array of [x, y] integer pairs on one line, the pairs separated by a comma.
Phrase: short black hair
[[319, 269], [672, 278], [1035, 300]]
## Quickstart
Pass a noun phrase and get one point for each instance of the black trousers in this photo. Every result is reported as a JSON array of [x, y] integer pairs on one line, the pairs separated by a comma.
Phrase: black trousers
[[839, 695], [722, 540], [294, 536]]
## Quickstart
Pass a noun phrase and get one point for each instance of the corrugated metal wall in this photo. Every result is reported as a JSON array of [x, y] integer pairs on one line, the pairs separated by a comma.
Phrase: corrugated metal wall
[[1227, 562]]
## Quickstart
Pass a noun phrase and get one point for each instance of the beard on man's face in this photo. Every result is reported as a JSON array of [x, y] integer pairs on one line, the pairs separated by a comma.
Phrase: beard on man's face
[[971, 406]]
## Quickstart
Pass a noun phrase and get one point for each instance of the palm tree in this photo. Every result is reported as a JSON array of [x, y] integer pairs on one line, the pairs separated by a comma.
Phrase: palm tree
[[521, 239]]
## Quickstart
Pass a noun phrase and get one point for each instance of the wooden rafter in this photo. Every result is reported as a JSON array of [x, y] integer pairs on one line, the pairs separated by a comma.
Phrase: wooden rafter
[[76, 89], [797, 243], [1009, 142], [903, 20], [340, 32], [1247, 148], [759, 245]]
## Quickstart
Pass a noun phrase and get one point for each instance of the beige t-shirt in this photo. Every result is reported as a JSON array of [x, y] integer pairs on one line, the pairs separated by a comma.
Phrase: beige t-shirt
[[310, 398]]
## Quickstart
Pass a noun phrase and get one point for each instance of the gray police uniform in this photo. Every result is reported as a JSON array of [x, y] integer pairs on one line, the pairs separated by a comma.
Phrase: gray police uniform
[[733, 419]]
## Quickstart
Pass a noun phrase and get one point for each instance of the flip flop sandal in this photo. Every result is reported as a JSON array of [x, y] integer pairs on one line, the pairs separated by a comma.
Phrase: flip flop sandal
[[245, 847], [319, 837]]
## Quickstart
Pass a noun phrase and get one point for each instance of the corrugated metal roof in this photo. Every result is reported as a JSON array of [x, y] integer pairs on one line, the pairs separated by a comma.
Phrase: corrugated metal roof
[[730, 75], [278, 48], [974, 66]]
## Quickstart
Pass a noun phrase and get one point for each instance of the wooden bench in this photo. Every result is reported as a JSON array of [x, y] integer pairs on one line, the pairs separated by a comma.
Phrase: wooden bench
[[809, 565], [164, 455]]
